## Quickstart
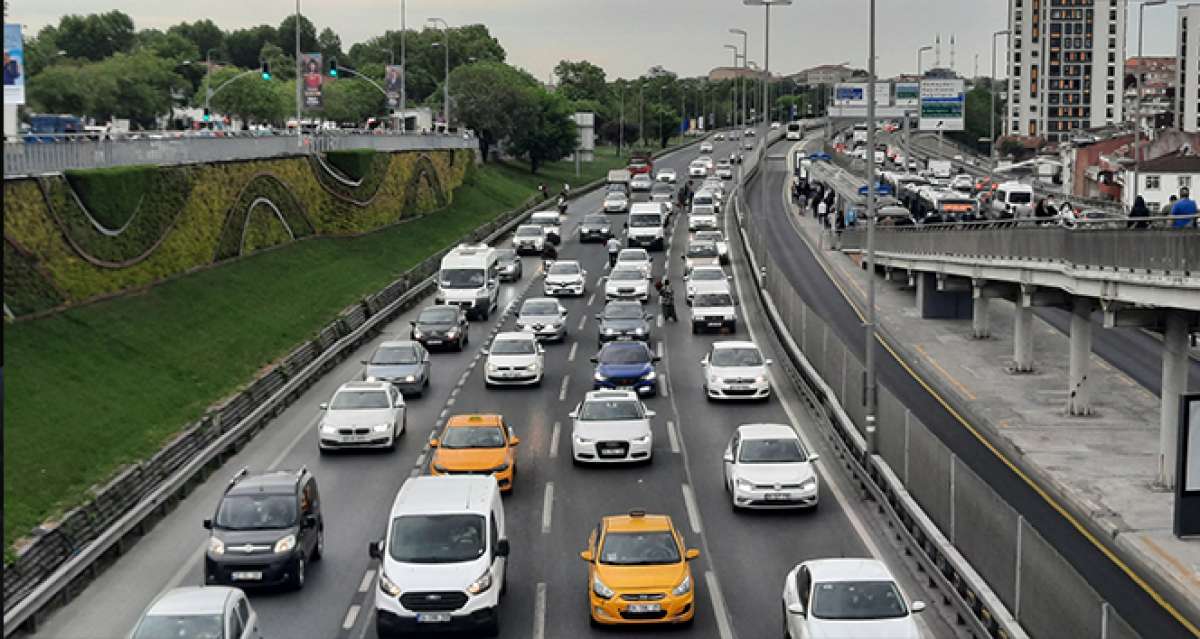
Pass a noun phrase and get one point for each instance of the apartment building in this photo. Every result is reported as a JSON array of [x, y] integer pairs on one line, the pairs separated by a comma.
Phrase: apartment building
[[1187, 91]]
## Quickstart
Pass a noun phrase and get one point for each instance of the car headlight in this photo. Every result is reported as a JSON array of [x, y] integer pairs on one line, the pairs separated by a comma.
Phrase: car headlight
[[582, 440], [387, 587], [410, 378], [602, 591], [684, 586], [482, 584], [327, 429], [650, 375], [639, 330], [418, 333], [644, 439], [501, 468], [761, 379], [599, 378], [372, 378], [216, 546], [744, 484], [285, 544], [610, 331], [808, 484], [451, 333], [379, 428]]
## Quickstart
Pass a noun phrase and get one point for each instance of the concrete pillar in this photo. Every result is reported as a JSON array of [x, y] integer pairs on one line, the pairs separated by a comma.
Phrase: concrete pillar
[[981, 326], [1023, 337], [1079, 401], [1174, 381]]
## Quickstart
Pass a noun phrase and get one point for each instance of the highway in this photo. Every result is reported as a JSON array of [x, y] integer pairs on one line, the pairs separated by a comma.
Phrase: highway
[[555, 504], [767, 200]]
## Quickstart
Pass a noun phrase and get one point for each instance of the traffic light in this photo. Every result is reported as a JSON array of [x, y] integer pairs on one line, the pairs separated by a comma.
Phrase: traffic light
[[207, 115], [333, 68], [266, 70]]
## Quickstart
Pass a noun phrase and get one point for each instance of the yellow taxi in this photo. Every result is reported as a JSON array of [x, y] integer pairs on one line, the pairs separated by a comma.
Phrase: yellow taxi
[[638, 571], [476, 445]]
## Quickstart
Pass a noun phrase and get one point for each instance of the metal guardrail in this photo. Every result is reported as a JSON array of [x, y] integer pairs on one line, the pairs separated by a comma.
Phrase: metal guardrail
[[84, 152], [960, 584]]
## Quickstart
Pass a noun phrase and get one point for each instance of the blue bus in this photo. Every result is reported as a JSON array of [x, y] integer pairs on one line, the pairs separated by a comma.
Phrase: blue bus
[[51, 127]]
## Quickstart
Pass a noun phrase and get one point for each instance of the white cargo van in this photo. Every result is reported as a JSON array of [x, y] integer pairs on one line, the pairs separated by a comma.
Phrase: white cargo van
[[646, 222], [444, 557], [469, 278], [1012, 199]]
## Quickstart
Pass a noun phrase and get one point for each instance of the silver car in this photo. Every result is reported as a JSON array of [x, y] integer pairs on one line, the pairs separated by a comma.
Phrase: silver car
[[403, 363], [199, 611], [544, 317], [616, 202], [627, 283], [362, 415]]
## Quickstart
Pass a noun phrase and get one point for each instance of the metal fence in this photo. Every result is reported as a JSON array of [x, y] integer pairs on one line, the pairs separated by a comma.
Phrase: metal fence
[[84, 152]]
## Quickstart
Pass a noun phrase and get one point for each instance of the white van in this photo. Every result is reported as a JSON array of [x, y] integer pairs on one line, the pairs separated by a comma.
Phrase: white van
[[469, 278], [443, 560], [646, 221], [794, 131], [706, 198], [550, 223], [1012, 199]]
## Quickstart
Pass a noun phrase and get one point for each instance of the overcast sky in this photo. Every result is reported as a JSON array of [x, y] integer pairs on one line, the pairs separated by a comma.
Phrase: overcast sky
[[626, 37]]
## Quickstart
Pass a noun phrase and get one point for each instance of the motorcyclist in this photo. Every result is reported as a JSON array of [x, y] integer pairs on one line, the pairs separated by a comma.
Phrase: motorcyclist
[[666, 299], [549, 255], [614, 247], [562, 204]]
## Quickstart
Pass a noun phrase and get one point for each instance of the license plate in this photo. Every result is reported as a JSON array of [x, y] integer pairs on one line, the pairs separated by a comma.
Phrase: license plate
[[354, 438], [739, 387], [778, 496], [645, 607], [612, 452], [433, 617], [714, 324], [248, 576], [433, 341]]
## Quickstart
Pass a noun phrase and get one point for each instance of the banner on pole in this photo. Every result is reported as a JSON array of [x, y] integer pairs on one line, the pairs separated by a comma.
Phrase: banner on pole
[[313, 79], [392, 85], [14, 65], [942, 105]]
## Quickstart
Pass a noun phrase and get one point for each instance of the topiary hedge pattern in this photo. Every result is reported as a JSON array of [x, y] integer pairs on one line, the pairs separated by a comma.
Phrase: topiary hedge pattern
[[361, 191], [192, 217], [355, 164], [112, 195]]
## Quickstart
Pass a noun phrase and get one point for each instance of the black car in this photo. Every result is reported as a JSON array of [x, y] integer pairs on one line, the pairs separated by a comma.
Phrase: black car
[[595, 227], [509, 265], [623, 320], [443, 325], [265, 531]]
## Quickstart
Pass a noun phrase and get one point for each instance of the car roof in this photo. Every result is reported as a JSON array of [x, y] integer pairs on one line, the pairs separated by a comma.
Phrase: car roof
[[625, 268], [567, 262], [516, 335], [445, 494], [734, 344], [473, 420], [848, 570], [192, 600], [600, 395], [361, 386], [766, 431], [399, 343], [641, 523], [530, 227], [628, 345], [634, 251], [270, 482], [539, 299]]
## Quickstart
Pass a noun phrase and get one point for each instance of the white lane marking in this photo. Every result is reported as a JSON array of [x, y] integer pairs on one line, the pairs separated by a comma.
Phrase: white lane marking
[[547, 507], [582, 322], [554, 440], [659, 320], [693, 513], [368, 608], [450, 402], [444, 413], [187, 567], [562, 392], [454, 393], [718, 604], [658, 349], [463, 380], [571, 355], [665, 388], [287, 450], [539, 612], [420, 461], [673, 437], [367, 579], [592, 299], [351, 617]]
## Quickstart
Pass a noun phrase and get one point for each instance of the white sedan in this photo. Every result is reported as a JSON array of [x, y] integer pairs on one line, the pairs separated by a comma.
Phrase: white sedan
[[735, 370], [706, 279], [362, 415], [636, 258], [767, 466], [514, 359], [706, 147], [627, 283], [565, 277], [611, 427], [846, 598], [641, 182], [667, 175]]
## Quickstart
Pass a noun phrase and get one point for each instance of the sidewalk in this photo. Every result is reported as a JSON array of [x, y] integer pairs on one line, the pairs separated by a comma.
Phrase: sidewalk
[[1105, 463]]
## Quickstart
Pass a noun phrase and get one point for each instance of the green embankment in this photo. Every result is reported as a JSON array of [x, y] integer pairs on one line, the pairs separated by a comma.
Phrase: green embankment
[[96, 387]]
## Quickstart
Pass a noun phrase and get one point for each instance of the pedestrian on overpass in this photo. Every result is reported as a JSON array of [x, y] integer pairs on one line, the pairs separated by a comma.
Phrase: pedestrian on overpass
[[823, 213], [1166, 209], [1139, 210], [1184, 210]]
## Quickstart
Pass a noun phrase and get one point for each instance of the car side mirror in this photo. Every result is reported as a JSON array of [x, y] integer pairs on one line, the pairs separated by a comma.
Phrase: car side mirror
[[796, 609], [587, 556], [728, 456], [412, 322], [324, 406], [650, 413], [364, 361], [207, 524], [399, 402], [595, 360], [484, 351], [918, 606], [656, 358], [691, 553], [433, 443], [514, 440], [768, 361], [813, 457], [597, 316], [502, 548], [375, 549], [647, 317], [493, 282], [573, 414]]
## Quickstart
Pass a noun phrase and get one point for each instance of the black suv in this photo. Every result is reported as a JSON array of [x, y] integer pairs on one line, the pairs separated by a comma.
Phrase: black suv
[[267, 528], [442, 325], [623, 320]]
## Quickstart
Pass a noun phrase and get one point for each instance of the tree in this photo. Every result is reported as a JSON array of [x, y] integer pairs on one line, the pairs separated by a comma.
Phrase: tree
[[353, 99], [581, 80], [979, 104], [202, 33], [136, 86], [243, 46], [95, 36], [662, 121], [426, 62], [543, 129], [486, 96], [330, 45], [62, 88], [171, 46], [285, 35], [282, 65], [41, 51], [249, 98]]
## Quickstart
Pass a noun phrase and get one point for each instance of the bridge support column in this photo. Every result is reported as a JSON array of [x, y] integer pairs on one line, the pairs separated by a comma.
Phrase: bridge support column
[[1022, 336], [1079, 396], [981, 322], [1174, 380]]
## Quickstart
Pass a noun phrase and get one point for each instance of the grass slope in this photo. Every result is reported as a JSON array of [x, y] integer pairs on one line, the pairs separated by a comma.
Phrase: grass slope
[[93, 388]]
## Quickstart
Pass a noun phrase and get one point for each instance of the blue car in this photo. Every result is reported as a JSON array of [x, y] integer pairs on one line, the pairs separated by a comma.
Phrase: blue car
[[626, 365]]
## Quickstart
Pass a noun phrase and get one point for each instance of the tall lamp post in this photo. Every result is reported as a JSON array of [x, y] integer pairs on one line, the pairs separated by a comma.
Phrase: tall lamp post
[[299, 81], [403, 71], [766, 97], [1137, 117], [872, 435], [992, 116], [740, 79], [207, 83], [921, 52], [446, 82]]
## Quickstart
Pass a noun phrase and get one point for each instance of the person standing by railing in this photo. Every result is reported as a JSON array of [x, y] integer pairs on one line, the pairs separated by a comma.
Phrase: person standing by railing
[[1184, 209], [1139, 210]]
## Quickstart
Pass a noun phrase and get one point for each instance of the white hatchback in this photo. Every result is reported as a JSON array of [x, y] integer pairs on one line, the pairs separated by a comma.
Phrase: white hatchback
[[565, 277], [735, 370], [767, 466], [847, 598], [514, 359], [636, 258], [706, 279], [666, 175], [627, 283]]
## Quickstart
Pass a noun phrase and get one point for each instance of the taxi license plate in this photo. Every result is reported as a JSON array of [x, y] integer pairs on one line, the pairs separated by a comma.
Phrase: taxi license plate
[[433, 617], [645, 607], [248, 576], [777, 496]]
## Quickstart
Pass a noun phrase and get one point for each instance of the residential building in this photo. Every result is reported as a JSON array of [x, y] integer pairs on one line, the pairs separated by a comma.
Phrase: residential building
[[1065, 61], [1162, 177], [1157, 75], [1187, 93], [824, 74], [732, 73]]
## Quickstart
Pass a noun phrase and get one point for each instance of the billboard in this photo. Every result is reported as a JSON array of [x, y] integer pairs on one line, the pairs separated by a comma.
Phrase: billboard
[[883, 94], [14, 65], [942, 105], [850, 94], [908, 93], [314, 78], [391, 85]]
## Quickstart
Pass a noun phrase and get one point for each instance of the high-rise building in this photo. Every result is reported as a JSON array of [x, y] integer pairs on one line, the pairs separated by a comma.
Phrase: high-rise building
[[1158, 75], [1187, 90], [1067, 66]]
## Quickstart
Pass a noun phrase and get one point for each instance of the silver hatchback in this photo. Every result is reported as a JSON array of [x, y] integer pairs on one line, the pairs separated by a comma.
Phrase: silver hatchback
[[199, 611]]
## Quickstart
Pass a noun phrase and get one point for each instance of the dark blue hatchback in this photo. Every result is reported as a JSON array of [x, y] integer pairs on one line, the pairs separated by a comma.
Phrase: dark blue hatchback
[[626, 366]]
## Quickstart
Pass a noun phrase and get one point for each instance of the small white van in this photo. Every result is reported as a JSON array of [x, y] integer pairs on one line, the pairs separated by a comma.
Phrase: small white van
[[469, 278], [645, 226], [444, 558], [1012, 199]]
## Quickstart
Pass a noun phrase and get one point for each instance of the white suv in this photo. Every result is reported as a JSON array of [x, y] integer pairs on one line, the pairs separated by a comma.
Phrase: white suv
[[735, 370], [565, 277], [767, 466], [706, 279], [816, 594], [514, 359], [611, 427], [362, 415]]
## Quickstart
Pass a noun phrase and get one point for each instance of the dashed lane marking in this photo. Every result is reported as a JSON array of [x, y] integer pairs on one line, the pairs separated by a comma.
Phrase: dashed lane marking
[[539, 612], [450, 402], [659, 320], [693, 513], [547, 507], [665, 388], [554, 440], [673, 436], [351, 617], [718, 604], [582, 322], [562, 392], [366, 581], [591, 299], [571, 355]]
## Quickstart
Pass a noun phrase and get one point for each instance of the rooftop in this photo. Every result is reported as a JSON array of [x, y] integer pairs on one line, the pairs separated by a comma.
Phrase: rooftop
[[1177, 162]]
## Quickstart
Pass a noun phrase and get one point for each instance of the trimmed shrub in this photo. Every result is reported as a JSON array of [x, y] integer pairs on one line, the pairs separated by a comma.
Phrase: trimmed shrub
[[263, 230], [234, 231], [373, 168], [112, 195], [26, 290], [353, 163]]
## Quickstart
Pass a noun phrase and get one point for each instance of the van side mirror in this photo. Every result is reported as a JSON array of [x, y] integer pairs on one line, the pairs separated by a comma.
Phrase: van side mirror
[[310, 521], [650, 413], [207, 524], [375, 549], [595, 360], [502, 548], [691, 554], [796, 609], [728, 456]]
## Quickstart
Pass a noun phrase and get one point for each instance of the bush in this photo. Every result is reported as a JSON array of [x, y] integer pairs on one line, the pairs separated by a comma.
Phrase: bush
[[353, 163], [26, 290], [112, 195]]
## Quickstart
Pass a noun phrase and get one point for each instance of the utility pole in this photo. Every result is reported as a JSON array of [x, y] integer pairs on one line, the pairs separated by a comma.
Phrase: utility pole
[[641, 113], [872, 435], [992, 115], [403, 72], [621, 133], [299, 81]]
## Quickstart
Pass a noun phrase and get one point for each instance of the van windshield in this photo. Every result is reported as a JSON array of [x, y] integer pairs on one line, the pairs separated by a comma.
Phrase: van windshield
[[437, 539], [644, 220], [463, 278], [713, 299], [1020, 197]]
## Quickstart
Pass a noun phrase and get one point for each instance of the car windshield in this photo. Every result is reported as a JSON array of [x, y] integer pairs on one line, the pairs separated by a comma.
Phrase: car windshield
[[633, 256], [736, 357], [615, 195], [706, 249], [181, 627], [564, 268], [545, 219], [624, 354], [513, 347], [645, 220], [857, 600], [1020, 197], [540, 307], [359, 400], [473, 437], [529, 231], [639, 549], [703, 198], [663, 188], [406, 354], [713, 299], [625, 274], [595, 220], [257, 511], [438, 316], [710, 236], [707, 274], [463, 278], [437, 539], [606, 410], [623, 311], [771, 451]]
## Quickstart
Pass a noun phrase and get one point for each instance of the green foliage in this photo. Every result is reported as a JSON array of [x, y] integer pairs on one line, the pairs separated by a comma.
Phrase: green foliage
[[263, 230], [203, 34], [95, 36], [285, 35], [352, 99], [171, 45], [135, 86], [544, 130], [353, 163], [249, 97], [41, 51], [330, 45], [236, 230], [113, 194], [426, 63], [26, 290], [374, 169], [979, 104], [581, 81], [487, 97], [243, 45], [63, 88]]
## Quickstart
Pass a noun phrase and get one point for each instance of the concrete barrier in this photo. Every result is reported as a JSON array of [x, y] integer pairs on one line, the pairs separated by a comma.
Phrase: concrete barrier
[[985, 530], [1054, 600], [929, 473]]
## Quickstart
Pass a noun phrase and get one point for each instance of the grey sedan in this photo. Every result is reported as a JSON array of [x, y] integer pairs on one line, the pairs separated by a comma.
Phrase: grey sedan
[[403, 363]]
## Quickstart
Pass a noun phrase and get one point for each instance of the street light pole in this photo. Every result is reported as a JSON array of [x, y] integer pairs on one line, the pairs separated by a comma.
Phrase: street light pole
[[992, 116], [299, 81], [741, 87], [403, 72], [737, 81], [446, 82], [621, 133], [1137, 117], [872, 436], [207, 75], [921, 52]]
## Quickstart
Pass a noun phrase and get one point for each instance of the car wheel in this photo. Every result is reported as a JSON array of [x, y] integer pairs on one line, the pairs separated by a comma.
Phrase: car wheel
[[319, 550], [695, 329], [485, 313], [298, 576]]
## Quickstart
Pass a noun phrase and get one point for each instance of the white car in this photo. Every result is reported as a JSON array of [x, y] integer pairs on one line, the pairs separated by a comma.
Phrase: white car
[[627, 283], [706, 279], [713, 310], [514, 359], [666, 175], [544, 317], [700, 253], [199, 611], [362, 415], [846, 598], [725, 170], [775, 125], [550, 222], [767, 466], [720, 137], [697, 169], [703, 218], [735, 370], [717, 237], [636, 258], [706, 147], [565, 277], [529, 239], [611, 427], [641, 182], [707, 197], [616, 202]]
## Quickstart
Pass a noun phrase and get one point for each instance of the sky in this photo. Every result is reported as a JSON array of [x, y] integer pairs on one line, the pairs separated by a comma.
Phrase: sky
[[627, 37]]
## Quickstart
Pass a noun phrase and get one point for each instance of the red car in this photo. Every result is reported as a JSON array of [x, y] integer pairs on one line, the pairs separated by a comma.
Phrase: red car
[[641, 164]]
